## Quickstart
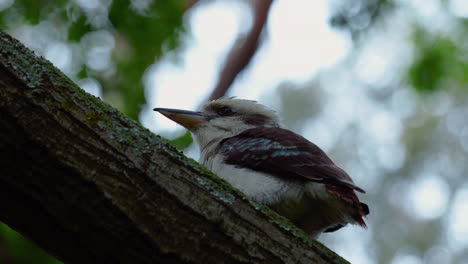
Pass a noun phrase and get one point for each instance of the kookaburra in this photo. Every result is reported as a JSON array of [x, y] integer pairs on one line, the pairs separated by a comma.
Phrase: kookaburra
[[245, 143]]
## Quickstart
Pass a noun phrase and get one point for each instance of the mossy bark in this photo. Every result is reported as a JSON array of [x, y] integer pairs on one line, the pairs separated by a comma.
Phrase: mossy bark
[[91, 186]]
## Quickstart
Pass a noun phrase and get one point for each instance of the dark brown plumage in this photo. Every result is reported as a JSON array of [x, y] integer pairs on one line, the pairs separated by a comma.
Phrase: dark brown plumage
[[285, 154]]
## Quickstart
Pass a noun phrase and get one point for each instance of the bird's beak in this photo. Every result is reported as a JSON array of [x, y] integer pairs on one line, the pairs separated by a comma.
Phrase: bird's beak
[[188, 119]]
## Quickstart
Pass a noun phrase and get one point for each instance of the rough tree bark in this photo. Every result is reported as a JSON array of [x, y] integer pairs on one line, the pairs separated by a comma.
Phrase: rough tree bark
[[91, 186]]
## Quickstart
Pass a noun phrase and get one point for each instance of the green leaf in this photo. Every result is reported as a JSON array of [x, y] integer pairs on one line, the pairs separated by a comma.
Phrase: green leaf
[[144, 35], [20, 249], [182, 142], [436, 59]]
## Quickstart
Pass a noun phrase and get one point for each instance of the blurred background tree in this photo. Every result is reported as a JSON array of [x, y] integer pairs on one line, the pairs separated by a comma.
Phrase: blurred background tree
[[380, 85]]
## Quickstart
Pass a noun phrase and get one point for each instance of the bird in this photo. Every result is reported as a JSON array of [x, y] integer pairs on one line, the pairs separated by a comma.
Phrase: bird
[[246, 144]]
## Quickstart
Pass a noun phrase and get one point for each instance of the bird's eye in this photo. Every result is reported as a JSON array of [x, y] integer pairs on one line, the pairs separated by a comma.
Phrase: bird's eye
[[225, 111]]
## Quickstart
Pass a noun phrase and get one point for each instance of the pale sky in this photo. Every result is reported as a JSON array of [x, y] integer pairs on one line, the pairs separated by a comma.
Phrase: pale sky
[[296, 47]]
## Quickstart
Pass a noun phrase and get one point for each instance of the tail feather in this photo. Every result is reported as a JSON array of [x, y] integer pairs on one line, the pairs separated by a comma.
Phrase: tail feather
[[349, 196]]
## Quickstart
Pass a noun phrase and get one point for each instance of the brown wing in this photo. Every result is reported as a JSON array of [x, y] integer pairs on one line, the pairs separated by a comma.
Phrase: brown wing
[[283, 153]]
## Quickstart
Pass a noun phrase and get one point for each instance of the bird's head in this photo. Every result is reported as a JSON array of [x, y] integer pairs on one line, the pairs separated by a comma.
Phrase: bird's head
[[222, 118]]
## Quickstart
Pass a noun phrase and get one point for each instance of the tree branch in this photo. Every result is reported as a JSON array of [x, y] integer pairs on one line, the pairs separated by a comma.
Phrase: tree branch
[[243, 49], [91, 186]]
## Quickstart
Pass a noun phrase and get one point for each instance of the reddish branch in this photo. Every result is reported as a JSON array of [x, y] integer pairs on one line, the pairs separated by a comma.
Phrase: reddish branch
[[243, 49], [190, 4]]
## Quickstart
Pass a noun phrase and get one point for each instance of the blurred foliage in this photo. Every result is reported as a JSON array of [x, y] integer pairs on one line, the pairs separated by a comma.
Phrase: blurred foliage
[[14, 249], [299, 105], [147, 34], [359, 15], [183, 141], [142, 30], [437, 58], [420, 90], [431, 66]]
